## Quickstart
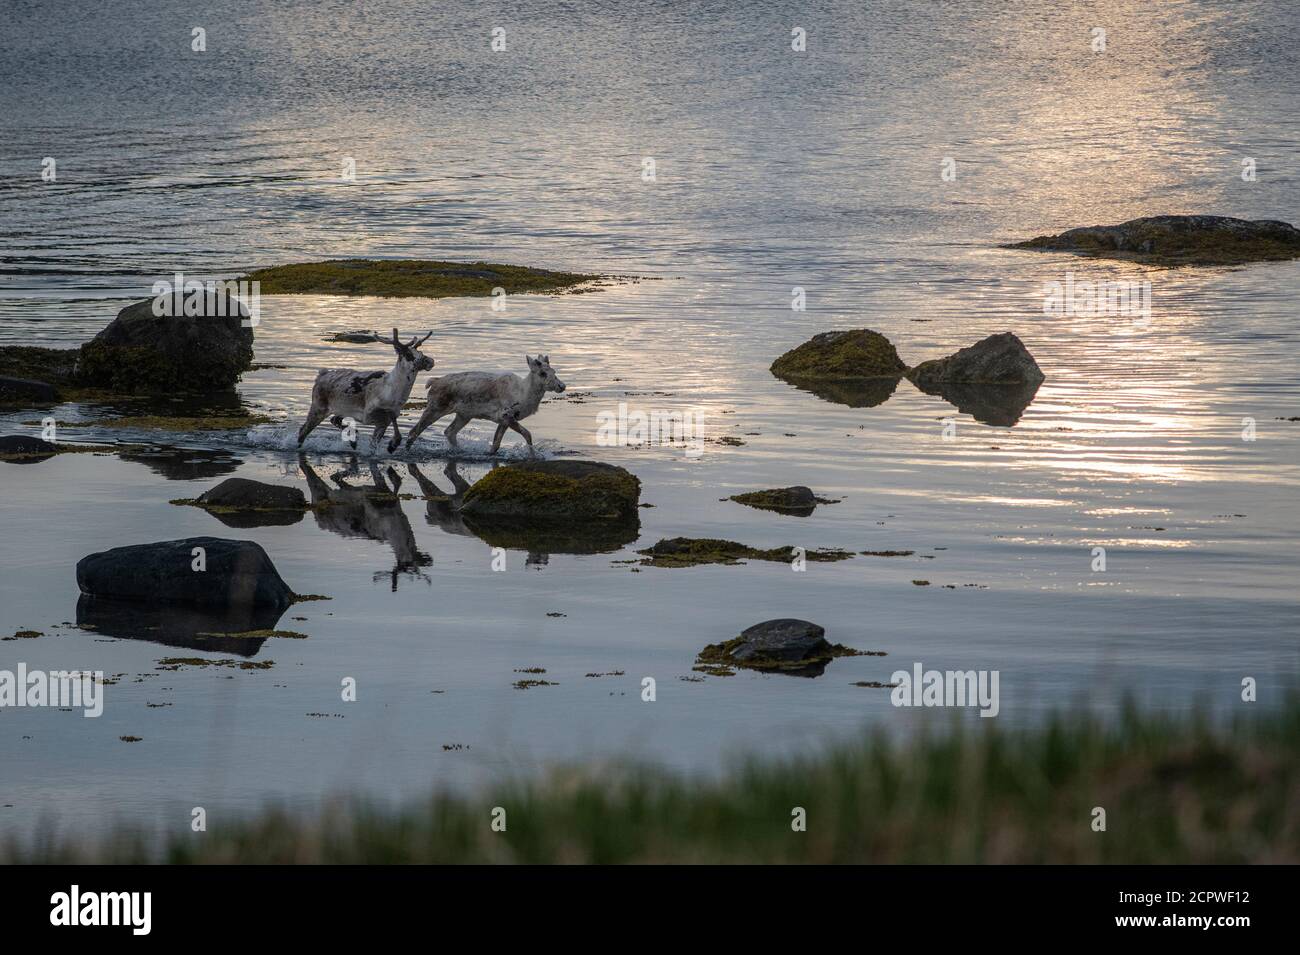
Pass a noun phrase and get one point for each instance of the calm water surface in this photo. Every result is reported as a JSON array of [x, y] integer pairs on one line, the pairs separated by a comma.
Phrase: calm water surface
[[774, 170]]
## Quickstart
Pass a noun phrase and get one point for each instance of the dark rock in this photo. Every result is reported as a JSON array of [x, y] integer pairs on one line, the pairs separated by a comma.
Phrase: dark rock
[[242, 493], [143, 352], [237, 573], [786, 639], [840, 355], [12, 389], [23, 449], [997, 360], [1179, 240], [786, 645]]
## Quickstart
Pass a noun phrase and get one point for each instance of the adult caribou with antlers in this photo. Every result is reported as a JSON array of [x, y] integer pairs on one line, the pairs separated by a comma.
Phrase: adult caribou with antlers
[[367, 398]]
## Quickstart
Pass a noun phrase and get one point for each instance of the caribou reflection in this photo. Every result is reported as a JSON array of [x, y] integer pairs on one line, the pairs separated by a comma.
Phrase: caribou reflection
[[371, 512]]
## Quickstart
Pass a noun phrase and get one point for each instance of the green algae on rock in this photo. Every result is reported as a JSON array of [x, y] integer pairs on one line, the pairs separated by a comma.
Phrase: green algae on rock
[[692, 551], [1178, 240], [555, 491], [411, 278], [841, 355], [215, 422]]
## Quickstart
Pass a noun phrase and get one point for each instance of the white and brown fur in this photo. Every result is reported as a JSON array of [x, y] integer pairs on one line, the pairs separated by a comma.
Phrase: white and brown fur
[[368, 398], [502, 398]]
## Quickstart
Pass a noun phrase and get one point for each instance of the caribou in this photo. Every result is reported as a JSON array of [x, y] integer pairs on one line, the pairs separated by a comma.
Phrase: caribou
[[367, 398], [504, 399]]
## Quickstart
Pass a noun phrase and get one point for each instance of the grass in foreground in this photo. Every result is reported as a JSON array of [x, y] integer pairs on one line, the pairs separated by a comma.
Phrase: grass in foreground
[[1174, 791]]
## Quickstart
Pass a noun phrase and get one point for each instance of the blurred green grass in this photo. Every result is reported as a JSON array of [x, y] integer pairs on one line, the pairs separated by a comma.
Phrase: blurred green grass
[[1175, 790]]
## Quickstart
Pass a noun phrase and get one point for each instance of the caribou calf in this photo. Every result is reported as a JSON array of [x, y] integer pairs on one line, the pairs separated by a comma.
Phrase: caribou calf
[[374, 397], [505, 399]]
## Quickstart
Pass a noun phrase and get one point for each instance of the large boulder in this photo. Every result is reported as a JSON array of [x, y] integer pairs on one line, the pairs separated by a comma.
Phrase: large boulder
[[27, 390], [1179, 240], [840, 356], [143, 352], [564, 491], [997, 360], [235, 573]]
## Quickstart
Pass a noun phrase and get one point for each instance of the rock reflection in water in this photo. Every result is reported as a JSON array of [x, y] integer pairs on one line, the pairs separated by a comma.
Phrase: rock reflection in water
[[194, 628]]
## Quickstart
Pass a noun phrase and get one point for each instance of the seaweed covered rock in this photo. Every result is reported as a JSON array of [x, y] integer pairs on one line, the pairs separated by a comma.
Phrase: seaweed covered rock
[[140, 352], [562, 491], [997, 360], [797, 500], [223, 573], [692, 551], [1179, 240], [840, 355], [785, 645], [410, 277]]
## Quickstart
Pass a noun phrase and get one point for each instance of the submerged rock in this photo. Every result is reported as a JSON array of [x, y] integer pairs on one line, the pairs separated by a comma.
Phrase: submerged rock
[[235, 573], [798, 500], [997, 360], [410, 277], [692, 551], [840, 355], [143, 352], [555, 491], [1179, 240], [785, 645]]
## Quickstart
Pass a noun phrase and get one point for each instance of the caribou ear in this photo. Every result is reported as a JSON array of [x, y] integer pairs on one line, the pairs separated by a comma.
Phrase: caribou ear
[[531, 361]]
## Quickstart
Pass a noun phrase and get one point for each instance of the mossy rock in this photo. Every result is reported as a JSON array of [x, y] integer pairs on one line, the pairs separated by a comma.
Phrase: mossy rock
[[692, 551], [410, 278], [798, 500], [555, 491], [841, 355], [140, 352], [1178, 240]]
